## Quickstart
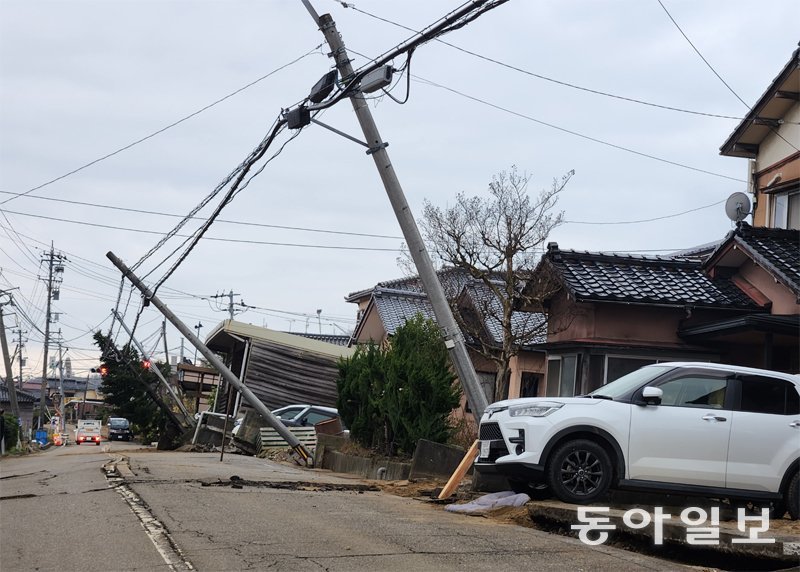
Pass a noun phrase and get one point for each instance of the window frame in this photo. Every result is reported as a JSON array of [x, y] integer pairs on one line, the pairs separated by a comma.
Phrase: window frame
[[787, 197], [560, 359]]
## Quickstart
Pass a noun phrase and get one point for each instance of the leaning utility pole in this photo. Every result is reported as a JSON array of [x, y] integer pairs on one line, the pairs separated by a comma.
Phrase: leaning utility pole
[[454, 339], [189, 420], [214, 360], [12, 390]]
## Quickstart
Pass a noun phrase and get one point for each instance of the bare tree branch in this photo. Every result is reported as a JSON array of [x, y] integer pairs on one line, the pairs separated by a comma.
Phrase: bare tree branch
[[498, 240]]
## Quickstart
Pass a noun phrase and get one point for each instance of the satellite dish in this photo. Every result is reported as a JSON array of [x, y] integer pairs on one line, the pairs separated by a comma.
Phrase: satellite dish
[[737, 207]]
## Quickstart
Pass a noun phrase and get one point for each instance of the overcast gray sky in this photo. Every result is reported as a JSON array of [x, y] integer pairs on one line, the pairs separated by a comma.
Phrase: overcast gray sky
[[82, 79]]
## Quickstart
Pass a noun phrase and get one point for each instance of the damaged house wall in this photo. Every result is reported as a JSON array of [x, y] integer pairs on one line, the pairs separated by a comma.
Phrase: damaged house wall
[[282, 375], [280, 368]]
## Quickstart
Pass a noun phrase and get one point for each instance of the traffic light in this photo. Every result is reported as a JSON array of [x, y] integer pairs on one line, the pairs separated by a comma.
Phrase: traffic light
[[103, 370], [146, 363]]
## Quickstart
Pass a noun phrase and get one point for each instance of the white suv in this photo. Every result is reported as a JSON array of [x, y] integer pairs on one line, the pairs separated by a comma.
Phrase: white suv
[[689, 428]]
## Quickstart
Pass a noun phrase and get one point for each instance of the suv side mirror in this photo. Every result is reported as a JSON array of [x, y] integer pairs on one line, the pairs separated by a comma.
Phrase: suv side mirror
[[652, 395]]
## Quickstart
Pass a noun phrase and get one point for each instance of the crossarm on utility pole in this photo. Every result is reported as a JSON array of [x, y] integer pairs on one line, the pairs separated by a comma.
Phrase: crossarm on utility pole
[[214, 360], [454, 339]]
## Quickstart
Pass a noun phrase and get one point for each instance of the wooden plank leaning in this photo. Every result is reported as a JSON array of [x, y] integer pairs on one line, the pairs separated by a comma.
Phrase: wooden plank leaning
[[461, 470]]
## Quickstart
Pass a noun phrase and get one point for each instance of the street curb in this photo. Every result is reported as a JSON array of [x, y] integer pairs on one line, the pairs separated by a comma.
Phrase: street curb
[[785, 548]]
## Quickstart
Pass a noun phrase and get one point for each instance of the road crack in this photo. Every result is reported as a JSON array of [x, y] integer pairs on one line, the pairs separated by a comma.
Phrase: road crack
[[156, 530]]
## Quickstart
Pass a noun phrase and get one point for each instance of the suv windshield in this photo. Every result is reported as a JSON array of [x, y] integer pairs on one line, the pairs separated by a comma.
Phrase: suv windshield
[[118, 423], [628, 383]]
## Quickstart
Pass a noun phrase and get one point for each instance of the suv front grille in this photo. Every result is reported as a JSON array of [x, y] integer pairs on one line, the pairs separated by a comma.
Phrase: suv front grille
[[490, 432]]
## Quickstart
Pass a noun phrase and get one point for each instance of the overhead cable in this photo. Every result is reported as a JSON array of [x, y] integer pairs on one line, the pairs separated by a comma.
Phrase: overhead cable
[[575, 133], [170, 126], [775, 131], [219, 220], [550, 79]]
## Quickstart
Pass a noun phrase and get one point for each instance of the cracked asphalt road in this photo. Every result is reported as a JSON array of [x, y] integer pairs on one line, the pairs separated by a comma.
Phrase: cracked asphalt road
[[277, 517]]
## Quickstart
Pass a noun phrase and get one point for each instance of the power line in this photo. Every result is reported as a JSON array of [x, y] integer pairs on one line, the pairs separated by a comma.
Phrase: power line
[[546, 78], [719, 77], [575, 133], [218, 239], [775, 131], [106, 269], [226, 221], [170, 126], [646, 219]]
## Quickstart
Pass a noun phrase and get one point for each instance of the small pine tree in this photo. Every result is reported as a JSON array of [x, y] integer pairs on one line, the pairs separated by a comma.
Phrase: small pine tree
[[420, 391], [392, 397], [360, 387]]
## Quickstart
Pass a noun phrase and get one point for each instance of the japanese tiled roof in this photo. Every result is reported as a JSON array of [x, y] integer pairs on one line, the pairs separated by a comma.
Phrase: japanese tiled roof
[[395, 307], [22, 396], [523, 324], [776, 250], [335, 339], [451, 279], [612, 277]]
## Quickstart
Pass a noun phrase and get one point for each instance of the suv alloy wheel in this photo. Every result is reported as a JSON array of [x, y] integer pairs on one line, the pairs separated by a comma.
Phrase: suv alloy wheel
[[579, 471]]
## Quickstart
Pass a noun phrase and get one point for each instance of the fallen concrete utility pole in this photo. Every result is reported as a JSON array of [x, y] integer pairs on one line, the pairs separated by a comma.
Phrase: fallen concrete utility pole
[[150, 388], [212, 358], [453, 338], [187, 416]]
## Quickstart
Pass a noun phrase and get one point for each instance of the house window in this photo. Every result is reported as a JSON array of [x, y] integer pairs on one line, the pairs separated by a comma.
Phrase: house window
[[529, 384], [561, 374], [786, 210]]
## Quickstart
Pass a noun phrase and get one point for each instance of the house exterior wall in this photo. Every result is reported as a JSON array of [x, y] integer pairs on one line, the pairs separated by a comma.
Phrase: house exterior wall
[[783, 300], [607, 321], [789, 170], [776, 157], [526, 362], [773, 149], [372, 329], [638, 324]]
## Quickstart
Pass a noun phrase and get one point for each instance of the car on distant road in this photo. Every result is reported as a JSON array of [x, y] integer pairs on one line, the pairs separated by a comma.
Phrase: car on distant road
[[119, 429], [88, 431], [703, 429], [305, 415]]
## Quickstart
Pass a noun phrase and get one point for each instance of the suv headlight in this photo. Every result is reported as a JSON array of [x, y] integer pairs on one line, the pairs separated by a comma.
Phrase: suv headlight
[[541, 409]]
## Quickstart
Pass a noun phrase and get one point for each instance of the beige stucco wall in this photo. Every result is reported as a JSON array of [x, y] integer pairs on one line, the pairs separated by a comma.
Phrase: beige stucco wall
[[783, 300], [788, 171], [772, 149], [771, 153], [372, 329]]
